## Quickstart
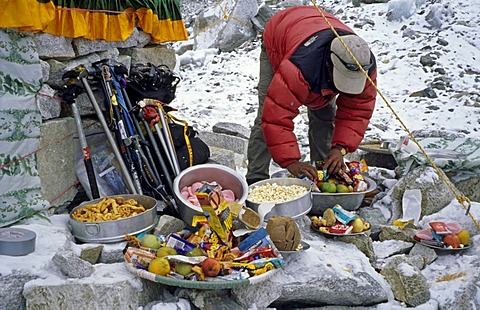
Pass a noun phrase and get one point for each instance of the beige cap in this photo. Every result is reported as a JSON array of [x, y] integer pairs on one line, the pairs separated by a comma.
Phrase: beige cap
[[347, 77]]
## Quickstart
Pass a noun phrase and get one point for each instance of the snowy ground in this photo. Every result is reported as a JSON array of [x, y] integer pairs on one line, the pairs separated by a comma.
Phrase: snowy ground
[[222, 87]]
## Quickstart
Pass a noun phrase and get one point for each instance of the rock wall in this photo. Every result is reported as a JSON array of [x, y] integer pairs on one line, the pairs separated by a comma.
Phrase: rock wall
[[59, 55], [56, 158]]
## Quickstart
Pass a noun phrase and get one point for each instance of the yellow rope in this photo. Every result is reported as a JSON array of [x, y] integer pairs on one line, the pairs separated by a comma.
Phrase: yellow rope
[[169, 117], [185, 134], [460, 198]]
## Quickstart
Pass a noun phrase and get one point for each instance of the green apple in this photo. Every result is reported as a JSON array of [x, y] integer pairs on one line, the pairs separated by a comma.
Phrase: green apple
[[166, 250], [183, 268], [150, 241], [195, 252]]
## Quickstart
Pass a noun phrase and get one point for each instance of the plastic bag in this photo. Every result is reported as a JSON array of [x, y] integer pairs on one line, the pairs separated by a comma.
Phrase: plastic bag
[[412, 205], [109, 179]]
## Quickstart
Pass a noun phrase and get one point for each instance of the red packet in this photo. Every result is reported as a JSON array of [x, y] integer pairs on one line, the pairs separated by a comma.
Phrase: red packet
[[340, 229], [440, 228]]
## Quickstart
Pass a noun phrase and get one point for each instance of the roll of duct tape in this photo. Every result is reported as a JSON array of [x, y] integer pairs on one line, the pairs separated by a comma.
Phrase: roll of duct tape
[[16, 241]]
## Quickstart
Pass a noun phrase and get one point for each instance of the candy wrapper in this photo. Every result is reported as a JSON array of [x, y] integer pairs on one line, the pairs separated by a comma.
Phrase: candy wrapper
[[181, 245], [342, 215], [343, 175], [204, 192], [219, 217], [340, 229], [359, 183]]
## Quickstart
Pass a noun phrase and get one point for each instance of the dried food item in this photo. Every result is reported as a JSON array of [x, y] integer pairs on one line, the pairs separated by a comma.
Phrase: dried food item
[[250, 218], [329, 217], [284, 232], [108, 209], [275, 193]]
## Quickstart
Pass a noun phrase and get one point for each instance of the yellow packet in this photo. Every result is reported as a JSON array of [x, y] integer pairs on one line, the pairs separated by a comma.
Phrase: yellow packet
[[221, 225]]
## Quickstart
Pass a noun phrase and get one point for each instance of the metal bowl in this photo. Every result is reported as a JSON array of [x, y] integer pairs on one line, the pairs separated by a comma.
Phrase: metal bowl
[[115, 231], [293, 208], [223, 175], [348, 201]]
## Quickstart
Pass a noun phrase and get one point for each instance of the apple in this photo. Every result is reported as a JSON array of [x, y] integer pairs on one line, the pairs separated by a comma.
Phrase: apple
[[150, 241], [165, 251], [183, 268], [195, 252], [211, 267], [357, 224]]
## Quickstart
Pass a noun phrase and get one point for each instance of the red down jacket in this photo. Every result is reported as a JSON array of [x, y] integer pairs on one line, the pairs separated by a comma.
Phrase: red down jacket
[[288, 90]]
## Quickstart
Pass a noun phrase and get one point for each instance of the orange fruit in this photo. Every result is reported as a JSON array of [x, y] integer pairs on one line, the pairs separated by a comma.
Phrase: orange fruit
[[452, 240], [159, 266]]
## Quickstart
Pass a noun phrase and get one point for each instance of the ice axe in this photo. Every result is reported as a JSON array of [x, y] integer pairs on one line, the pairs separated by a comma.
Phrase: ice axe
[[69, 93], [81, 73]]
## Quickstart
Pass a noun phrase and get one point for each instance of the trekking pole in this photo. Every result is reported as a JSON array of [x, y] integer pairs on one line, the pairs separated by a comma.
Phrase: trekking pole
[[167, 144], [69, 94], [168, 137], [124, 101], [119, 83], [153, 142], [111, 140], [154, 120], [120, 123], [158, 188], [146, 170]]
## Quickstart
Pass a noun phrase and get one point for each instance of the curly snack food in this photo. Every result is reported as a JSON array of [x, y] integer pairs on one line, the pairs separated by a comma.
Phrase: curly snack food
[[108, 209], [275, 193]]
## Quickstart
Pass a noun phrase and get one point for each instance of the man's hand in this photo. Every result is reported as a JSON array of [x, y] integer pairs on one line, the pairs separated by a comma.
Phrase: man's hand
[[334, 162], [299, 168]]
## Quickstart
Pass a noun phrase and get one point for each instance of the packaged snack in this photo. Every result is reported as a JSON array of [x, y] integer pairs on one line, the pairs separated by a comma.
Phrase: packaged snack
[[181, 245], [322, 175], [359, 183], [360, 186], [204, 191], [363, 166], [343, 175], [139, 258], [440, 228], [215, 199], [221, 224], [253, 239], [340, 229], [342, 215], [256, 253]]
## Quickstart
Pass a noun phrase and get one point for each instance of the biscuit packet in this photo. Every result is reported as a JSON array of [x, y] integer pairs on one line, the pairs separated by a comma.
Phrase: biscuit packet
[[219, 217]]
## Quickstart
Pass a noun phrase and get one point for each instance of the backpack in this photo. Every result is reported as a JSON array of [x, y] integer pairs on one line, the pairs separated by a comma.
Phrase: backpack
[[190, 149], [150, 81]]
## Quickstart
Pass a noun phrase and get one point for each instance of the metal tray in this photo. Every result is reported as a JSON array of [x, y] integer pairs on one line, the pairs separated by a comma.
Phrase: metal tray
[[447, 250], [328, 234], [349, 201], [304, 246], [294, 208], [115, 231], [201, 285]]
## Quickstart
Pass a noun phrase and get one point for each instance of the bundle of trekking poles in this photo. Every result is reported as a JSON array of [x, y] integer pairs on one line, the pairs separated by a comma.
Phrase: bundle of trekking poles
[[137, 130]]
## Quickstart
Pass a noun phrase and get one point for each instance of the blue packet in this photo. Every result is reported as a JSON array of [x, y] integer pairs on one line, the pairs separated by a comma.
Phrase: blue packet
[[342, 215]]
